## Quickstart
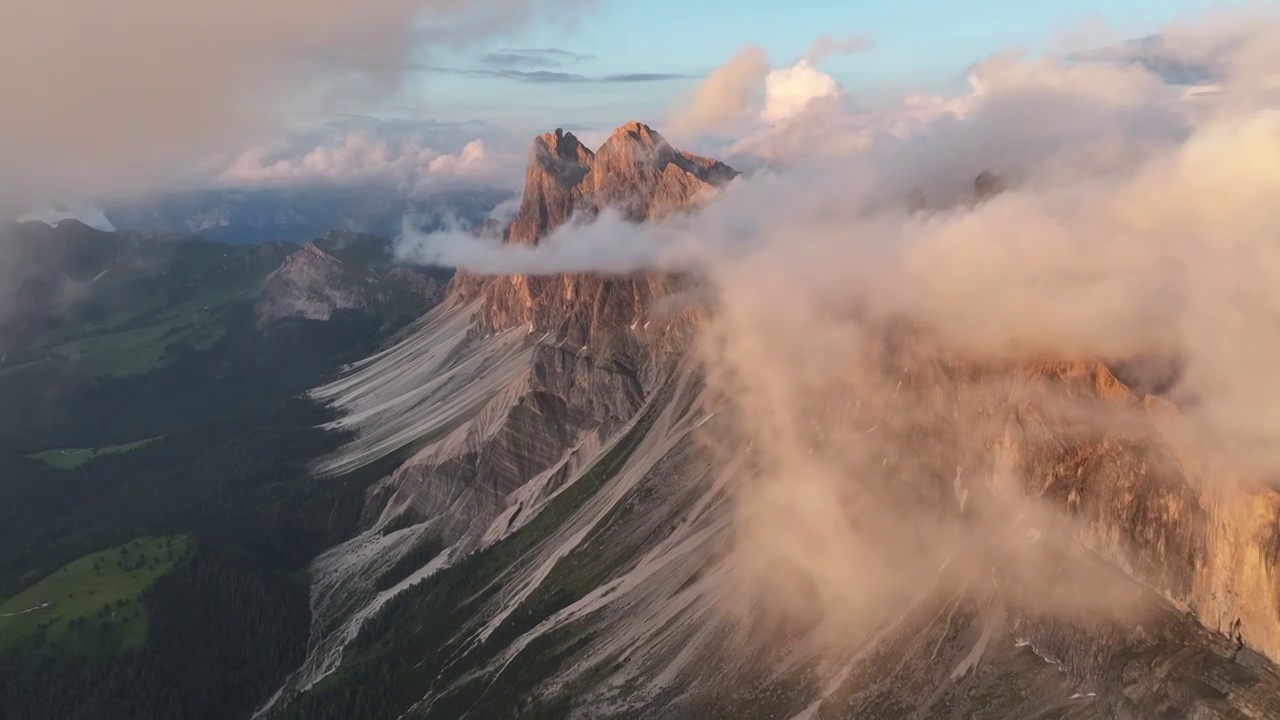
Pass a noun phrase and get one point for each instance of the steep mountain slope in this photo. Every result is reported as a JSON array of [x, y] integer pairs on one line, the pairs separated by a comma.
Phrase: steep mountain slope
[[595, 521]]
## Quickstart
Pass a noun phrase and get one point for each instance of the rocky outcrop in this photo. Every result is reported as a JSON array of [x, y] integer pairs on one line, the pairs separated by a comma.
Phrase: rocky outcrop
[[988, 185], [985, 186], [309, 285], [345, 271]]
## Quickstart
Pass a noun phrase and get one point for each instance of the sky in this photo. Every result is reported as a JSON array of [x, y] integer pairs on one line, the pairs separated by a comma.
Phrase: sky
[[145, 96], [924, 44]]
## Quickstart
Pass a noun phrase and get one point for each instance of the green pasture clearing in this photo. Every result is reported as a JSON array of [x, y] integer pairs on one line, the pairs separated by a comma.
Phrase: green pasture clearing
[[93, 605], [69, 458]]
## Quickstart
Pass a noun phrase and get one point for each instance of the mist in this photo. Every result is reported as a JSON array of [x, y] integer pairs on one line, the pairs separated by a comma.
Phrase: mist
[[1136, 221], [124, 97], [1139, 220]]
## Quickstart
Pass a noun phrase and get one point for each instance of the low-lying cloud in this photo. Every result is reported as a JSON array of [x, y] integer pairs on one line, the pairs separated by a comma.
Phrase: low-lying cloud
[[359, 158], [1138, 221]]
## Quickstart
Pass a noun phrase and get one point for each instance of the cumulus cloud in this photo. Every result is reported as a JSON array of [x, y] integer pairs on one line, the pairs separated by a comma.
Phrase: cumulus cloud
[[726, 97], [361, 158], [768, 110], [788, 92], [108, 97]]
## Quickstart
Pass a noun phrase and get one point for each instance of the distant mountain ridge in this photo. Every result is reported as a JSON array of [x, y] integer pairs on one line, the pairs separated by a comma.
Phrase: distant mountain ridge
[[239, 216], [82, 293]]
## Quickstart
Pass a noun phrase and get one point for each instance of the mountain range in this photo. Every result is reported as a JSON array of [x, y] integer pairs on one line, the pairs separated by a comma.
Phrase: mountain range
[[372, 490], [240, 216], [565, 538]]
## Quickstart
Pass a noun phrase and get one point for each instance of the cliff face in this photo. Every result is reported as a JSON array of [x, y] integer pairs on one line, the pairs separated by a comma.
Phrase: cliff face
[[593, 353], [637, 173], [1120, 464]]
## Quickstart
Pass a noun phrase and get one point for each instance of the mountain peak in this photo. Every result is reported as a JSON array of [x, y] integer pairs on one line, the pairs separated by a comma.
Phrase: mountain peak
[[637, 173], [637, 131], [559, 146], [553, 185]]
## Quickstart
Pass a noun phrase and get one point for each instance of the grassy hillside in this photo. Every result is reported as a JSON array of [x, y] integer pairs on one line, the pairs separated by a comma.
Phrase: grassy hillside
[[92, 606], [121, 305]]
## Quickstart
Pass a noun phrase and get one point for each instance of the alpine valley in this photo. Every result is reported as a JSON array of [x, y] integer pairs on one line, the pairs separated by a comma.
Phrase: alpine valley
[[347, 488]]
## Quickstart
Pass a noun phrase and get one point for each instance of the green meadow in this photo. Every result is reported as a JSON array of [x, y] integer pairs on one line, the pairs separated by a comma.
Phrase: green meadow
[[92, 606]]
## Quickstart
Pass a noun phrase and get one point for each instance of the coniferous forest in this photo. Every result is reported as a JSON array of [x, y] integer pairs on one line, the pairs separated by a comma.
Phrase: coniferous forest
[[206, 628]]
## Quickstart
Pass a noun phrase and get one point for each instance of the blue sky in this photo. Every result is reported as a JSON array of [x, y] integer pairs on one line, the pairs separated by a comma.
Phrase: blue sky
[[919, 44]]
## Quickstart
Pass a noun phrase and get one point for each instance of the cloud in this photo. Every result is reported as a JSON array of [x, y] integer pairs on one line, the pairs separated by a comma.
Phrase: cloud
[[609, 245], [746, 97], [1137, 223], [102, 98], [533, 57], [788, 92], [745, 93], [544, 66], [555, 77], [726, 97], [361, 158], [417, 156], [827, 46]]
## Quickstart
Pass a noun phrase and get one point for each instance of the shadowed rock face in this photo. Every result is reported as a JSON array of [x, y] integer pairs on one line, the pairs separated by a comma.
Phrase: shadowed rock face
[[553, 186], [307, 285], [637, 172], [345, 271]]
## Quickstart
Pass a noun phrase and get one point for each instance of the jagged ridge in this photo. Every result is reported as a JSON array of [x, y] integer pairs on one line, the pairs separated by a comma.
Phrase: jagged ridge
[[636, 172]]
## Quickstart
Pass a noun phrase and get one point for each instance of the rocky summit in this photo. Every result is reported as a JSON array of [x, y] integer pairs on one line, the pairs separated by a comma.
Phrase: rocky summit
[[345, 272], [637, 173]]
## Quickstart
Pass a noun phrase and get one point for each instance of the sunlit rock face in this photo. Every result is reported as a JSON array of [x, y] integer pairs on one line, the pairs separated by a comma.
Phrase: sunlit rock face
[[635, 172]]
